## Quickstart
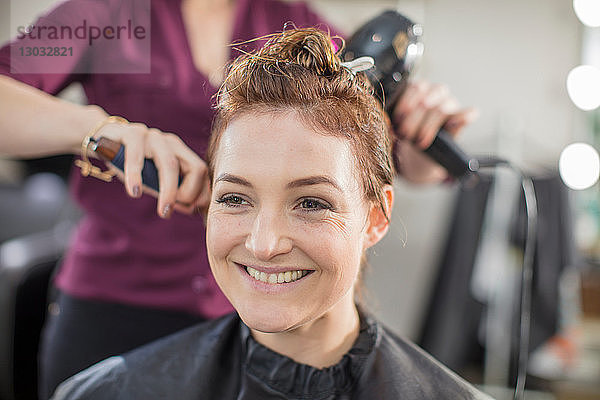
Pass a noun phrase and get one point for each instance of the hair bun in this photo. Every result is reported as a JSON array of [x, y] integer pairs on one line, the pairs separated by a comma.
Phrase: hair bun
[[309, 47]]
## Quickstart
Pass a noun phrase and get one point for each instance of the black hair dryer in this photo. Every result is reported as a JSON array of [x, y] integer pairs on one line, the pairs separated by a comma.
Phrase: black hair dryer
[[394, 42]]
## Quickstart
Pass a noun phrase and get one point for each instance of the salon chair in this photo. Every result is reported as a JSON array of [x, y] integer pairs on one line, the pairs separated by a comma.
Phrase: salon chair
[[35, 226], [26, 265]]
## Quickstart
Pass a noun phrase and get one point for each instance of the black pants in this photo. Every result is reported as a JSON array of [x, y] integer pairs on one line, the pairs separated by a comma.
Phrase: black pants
[[78, 333]]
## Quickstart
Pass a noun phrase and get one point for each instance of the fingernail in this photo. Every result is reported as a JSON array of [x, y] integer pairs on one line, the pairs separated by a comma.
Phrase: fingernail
[[136, 191], [166, 211]]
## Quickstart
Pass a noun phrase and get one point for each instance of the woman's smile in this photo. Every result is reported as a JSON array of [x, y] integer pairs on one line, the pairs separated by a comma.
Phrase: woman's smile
[[277, 277], [282, 281], [273, 275]]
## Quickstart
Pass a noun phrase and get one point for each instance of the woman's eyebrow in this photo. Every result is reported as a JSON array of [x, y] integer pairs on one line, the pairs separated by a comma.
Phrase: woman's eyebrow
[[314, 180], [233, 179], [308, 181]]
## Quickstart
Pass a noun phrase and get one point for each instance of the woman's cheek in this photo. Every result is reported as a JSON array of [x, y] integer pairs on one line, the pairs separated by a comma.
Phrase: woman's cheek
[[326, 239], [225, 231]]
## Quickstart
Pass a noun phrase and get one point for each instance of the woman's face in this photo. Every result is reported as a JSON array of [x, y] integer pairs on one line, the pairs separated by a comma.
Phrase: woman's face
[[287, 223]]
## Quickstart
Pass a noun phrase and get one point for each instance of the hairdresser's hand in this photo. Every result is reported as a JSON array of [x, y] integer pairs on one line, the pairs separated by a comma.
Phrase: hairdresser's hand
[[172, 159], [420, 113]]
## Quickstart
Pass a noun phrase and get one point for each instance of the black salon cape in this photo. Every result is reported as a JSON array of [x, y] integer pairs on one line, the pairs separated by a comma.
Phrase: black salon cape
[[220, 360]]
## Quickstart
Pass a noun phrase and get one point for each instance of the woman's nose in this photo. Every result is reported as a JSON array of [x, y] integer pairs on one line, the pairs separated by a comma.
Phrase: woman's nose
[[268, 237]]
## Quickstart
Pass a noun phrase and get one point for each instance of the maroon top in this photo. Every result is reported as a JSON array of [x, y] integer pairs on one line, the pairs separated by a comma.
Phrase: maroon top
[[122, 251]]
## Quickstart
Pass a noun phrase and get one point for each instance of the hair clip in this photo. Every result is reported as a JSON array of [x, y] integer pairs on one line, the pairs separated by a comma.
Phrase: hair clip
[[359, 64]]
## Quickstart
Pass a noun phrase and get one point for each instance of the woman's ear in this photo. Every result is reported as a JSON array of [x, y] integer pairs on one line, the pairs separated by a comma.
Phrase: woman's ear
[[379, 220]]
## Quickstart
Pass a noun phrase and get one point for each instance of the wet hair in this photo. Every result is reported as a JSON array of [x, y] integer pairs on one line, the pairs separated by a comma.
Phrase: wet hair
[[299, 70]]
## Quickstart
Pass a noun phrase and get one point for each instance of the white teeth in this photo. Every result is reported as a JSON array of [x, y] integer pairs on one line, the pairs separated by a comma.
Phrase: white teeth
[[281, 277]]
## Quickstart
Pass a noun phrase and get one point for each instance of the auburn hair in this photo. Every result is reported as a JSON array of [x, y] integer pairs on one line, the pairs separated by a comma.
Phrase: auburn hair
[[299, 70]]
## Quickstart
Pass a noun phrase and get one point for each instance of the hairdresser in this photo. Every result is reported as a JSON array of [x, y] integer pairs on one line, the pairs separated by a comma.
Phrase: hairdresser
[[137, 268]]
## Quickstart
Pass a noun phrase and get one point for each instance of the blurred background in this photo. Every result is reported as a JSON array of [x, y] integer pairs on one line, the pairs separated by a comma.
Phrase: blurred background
[[447, 276]]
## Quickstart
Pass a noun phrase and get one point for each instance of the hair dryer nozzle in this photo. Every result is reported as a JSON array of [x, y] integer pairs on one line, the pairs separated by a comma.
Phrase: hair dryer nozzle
[[394, 42]]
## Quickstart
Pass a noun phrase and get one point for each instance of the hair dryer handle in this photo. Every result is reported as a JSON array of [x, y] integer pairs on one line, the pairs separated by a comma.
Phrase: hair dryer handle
[[446, 152]]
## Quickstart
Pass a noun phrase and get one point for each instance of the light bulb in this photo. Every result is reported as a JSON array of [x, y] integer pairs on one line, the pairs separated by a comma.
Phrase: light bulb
[[583, 86], [588, 12], [579, 166]]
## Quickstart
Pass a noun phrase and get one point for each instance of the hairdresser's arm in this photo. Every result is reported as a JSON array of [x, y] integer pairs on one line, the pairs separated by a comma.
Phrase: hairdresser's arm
[[421, 112], [34, 124]]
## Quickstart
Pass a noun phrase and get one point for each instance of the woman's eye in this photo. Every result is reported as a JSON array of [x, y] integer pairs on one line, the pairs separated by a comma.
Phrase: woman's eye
[[232, 201], [314, 205]]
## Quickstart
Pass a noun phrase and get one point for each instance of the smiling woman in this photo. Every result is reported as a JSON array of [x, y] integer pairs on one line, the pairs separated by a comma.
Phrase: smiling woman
[[301, 172]]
